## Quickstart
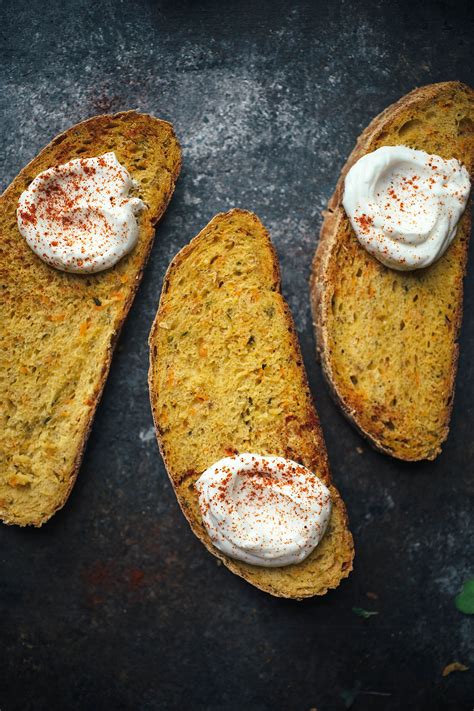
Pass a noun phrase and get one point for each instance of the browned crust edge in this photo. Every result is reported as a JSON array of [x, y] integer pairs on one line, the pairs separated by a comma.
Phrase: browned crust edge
[[128, 302], [328, 240], [336, 497]]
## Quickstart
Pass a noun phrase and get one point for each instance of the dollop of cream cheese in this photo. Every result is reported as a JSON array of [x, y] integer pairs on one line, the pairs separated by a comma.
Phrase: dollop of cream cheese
[[266, 511], [404, 205], [78, 217]]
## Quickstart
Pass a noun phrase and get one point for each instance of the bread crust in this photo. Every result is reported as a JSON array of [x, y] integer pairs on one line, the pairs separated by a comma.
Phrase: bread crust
[[53, 154], [197, 527], [320, 286]]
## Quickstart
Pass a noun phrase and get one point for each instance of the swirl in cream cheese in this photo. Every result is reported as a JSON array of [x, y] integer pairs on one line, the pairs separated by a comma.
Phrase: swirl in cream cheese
[[78, 217], [267, 511], [404, 205]]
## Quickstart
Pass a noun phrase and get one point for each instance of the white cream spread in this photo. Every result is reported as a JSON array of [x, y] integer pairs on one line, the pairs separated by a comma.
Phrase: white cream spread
[[78, 217], [266, 511], [404, 205]]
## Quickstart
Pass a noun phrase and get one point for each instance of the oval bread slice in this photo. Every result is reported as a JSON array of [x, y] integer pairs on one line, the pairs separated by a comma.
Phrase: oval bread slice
[[227, 376], [388, 340], [59, 330]]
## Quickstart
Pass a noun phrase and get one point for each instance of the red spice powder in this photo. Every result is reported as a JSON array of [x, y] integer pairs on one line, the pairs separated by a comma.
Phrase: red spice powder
[[365, 222]]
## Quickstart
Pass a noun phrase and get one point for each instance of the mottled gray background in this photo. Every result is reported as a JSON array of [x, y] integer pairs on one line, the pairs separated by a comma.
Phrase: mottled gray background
[[114, 604]]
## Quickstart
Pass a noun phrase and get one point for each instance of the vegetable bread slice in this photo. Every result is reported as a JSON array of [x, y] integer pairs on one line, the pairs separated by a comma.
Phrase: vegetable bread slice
[[388, 340], [226, 376], [59, 329]]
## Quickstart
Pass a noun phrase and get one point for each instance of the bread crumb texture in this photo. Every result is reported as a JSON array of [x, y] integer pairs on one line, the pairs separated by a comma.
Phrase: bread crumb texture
[[227, 376], [388, 339], [57, 329]]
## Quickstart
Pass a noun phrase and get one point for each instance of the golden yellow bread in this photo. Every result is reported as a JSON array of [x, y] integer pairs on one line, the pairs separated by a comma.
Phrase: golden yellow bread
[[388, 340], [226, 376], [58, 330]]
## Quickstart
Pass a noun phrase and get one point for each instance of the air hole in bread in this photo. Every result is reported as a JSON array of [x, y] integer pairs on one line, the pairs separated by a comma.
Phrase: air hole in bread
[[409, 126], [465, 126]]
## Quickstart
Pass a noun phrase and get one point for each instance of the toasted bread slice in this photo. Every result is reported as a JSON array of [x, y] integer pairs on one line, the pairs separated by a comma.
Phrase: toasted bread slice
[[388, 340], [59, 329], [226, 376]]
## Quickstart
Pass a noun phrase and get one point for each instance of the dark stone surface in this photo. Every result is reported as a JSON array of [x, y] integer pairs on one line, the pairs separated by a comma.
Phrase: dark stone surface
[[114, 604]]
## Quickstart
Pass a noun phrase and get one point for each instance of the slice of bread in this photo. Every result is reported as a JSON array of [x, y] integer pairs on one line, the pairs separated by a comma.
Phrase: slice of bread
[[227, 376], [58, 329], [388, 340]]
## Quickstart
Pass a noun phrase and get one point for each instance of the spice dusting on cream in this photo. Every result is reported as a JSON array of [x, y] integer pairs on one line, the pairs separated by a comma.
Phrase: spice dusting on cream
[[267, 511], [78, 217], [404, 205]]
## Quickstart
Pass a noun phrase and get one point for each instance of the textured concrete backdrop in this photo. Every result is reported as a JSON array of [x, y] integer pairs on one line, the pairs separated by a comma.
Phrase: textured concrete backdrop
[[114, 604]]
